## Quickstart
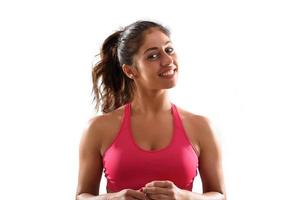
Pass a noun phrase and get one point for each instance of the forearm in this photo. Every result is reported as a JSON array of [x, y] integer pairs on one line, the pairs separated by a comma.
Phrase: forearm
[[205, 196], [87, 196]]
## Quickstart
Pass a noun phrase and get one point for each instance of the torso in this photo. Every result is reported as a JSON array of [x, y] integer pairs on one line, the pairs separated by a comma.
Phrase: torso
[[153, 138]]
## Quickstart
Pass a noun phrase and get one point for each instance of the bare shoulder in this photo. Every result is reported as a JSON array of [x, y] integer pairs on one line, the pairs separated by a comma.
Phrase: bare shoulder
[[101, 129], [195, 119], [198, 126], [105, 121]]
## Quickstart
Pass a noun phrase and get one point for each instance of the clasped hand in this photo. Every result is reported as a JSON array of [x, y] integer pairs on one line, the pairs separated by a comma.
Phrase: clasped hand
[[162, 190], [155, 190]]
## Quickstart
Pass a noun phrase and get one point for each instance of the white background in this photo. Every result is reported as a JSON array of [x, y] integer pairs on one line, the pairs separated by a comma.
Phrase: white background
[[239, 67]]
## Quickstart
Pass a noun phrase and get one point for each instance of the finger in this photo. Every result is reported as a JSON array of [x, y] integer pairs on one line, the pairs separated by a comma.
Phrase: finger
[[158, 197], [156, 190], [163, 184], [132, 198], [135, 194]]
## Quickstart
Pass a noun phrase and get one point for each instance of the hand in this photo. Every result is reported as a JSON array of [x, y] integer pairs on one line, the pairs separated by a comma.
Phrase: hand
[[127, 194], [163, 190]]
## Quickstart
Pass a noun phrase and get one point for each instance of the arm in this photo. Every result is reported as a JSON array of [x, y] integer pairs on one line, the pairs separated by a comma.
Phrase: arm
[[210, 165], [90, 165]]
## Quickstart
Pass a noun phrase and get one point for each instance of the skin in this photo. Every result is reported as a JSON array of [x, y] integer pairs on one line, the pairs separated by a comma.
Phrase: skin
[[150, 114]]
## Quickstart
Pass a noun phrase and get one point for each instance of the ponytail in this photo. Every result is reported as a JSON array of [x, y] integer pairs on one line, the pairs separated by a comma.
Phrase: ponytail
[[115, 89]]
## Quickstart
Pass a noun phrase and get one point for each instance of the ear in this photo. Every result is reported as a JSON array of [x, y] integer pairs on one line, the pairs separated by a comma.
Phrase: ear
[[130, 71]]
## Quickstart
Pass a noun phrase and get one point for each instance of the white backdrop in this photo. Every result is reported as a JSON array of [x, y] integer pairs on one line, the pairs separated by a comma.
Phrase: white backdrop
[[238, 62]]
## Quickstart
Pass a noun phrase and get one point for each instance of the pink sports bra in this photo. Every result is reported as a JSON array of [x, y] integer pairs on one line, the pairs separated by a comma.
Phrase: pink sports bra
[[127, 166]]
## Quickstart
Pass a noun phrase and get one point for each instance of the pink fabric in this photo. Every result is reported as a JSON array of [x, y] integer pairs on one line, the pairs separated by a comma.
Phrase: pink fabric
[[126, 165]]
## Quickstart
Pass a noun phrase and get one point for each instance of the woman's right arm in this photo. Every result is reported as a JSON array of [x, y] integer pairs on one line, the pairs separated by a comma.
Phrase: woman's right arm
[[90, 164], [90, 167]]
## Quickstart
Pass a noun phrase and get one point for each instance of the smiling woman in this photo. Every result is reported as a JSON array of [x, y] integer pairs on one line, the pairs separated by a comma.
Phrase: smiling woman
[[147, 147]]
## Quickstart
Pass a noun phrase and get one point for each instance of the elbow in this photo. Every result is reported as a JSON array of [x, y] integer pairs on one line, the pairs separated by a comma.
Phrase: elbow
[[222, 196], [219, 195], [79, 196]]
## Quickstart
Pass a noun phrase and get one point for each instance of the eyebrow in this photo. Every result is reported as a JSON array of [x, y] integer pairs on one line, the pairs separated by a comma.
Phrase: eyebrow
[[154, 48]]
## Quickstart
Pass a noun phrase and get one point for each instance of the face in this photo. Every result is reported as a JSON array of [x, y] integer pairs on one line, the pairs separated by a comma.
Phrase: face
[[156, 62]]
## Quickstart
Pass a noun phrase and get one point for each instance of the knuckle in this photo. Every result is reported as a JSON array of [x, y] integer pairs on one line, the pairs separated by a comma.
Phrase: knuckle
[[126, 192], [172, 193]]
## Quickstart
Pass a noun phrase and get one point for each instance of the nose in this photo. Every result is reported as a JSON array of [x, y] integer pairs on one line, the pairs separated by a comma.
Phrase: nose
[[166, 59]]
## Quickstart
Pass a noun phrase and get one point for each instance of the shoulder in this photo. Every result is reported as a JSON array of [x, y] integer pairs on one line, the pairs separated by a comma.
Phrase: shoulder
[[200, 125], [105, 121], [194, 119], [100, 128]]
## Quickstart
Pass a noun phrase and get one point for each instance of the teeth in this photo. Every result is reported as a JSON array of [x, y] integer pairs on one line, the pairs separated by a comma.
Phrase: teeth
[[167, 73]]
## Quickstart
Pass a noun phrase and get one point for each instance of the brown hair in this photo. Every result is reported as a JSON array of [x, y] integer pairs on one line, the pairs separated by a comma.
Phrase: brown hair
[[115, 88]]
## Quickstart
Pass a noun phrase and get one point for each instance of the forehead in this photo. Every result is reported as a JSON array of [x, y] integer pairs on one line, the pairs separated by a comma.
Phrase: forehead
[[154, 38]]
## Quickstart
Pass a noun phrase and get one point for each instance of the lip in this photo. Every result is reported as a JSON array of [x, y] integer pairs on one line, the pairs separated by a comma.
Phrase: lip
[[165, 70], [169, 76]]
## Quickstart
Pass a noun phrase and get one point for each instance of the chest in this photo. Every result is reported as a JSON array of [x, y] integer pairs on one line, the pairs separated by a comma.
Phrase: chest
[[152, 134]]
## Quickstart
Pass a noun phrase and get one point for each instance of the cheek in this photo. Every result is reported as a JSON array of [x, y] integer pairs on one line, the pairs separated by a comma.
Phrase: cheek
[[150, 73], [148, 69], [144, 71]]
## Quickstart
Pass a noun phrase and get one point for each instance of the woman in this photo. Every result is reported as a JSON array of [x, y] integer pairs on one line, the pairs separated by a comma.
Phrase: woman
[[147, 147]]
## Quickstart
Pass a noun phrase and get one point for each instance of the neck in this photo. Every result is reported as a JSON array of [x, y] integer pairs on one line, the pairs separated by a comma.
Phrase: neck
[[150, 103]]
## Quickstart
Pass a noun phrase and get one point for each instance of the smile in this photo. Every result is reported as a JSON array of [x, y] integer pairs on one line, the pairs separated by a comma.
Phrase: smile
[[168, 74]]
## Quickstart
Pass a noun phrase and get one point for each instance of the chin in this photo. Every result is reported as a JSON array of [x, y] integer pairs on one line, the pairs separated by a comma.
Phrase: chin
[[169, 86]]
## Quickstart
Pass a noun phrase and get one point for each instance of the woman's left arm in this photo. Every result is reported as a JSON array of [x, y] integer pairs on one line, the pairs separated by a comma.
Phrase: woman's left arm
[[210, 163]]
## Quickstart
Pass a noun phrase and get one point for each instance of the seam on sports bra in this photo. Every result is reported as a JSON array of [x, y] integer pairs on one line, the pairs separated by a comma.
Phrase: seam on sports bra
[[184, 132]]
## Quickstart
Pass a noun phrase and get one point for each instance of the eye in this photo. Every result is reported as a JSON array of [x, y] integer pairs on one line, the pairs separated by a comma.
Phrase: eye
[[153, 56], [169, 50]]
